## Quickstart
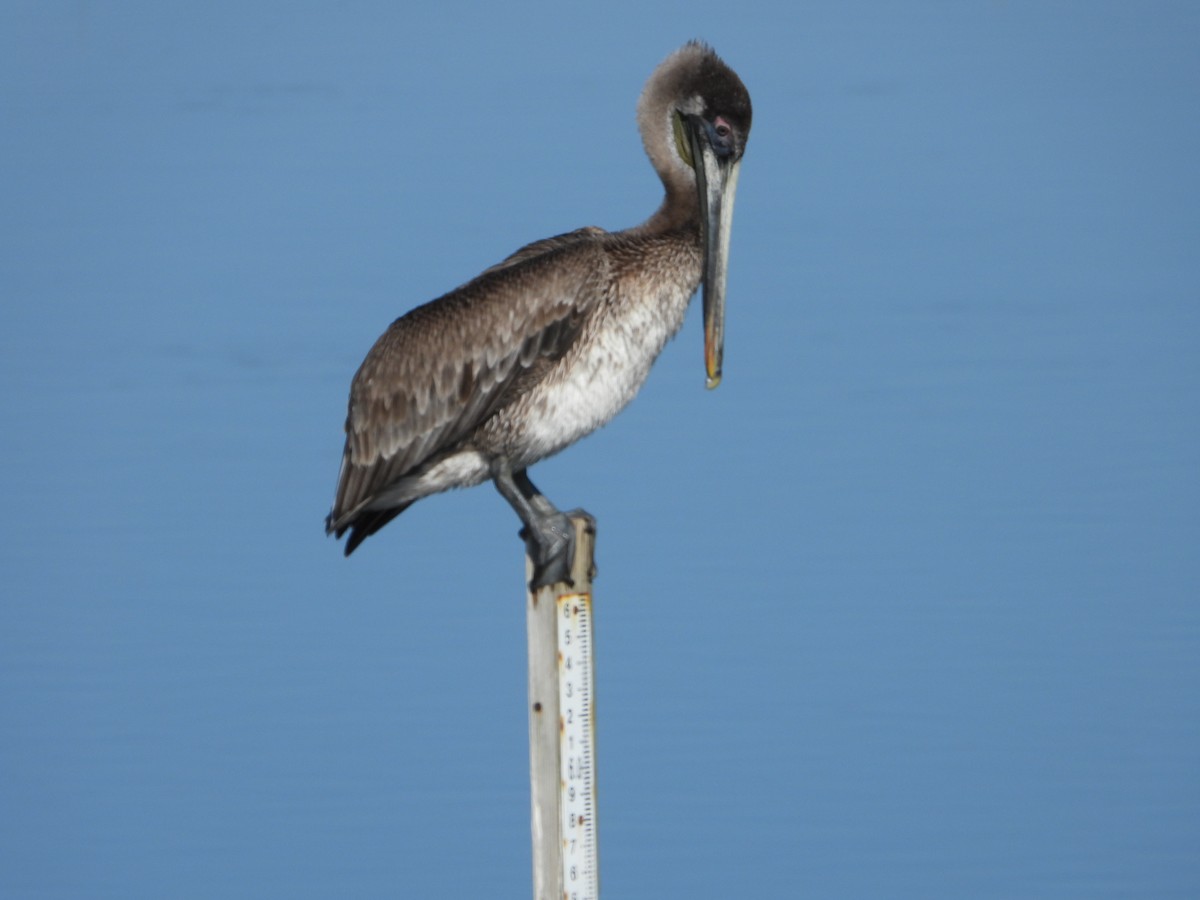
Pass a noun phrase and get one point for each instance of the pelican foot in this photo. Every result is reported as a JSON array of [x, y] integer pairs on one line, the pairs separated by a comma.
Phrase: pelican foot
[[550, 543], [580, 513]]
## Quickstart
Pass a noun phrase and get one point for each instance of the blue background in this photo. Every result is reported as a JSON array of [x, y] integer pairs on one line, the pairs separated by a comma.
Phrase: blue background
[[907, 608]]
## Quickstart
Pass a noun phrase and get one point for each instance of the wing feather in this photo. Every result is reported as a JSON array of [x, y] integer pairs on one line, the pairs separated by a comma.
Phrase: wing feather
[[445, 367]]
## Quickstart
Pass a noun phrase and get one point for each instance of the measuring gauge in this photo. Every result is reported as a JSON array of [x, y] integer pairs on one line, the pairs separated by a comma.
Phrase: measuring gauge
[[577, 748]]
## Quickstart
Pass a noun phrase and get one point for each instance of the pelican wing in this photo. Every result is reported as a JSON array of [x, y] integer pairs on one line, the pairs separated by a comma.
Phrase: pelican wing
[[445, 367], [545, 246]]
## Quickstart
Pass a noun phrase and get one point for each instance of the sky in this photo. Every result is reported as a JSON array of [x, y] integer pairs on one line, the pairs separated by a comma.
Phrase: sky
[[907, 607]]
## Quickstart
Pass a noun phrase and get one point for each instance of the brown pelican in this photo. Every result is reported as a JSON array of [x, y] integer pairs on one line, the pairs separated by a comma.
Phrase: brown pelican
[[548, 345]]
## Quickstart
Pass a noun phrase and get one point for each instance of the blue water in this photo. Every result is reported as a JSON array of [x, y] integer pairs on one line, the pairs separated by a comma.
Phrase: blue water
[[910, 607]]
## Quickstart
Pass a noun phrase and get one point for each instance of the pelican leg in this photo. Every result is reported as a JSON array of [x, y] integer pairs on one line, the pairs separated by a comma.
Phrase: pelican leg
[[548, 533], [538, 499]]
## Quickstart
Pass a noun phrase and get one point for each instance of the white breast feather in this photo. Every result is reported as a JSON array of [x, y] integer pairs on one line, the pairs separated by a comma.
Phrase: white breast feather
[[608, 370]]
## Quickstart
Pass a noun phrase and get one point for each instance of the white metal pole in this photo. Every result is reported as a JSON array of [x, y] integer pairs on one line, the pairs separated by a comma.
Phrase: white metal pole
[[562, 755]]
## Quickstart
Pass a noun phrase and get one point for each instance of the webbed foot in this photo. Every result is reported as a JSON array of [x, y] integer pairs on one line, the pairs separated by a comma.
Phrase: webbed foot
[[549, 535], [550, 543], [552, 549]]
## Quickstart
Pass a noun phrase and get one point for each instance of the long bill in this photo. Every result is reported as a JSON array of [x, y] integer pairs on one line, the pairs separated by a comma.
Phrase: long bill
[[716, 181]]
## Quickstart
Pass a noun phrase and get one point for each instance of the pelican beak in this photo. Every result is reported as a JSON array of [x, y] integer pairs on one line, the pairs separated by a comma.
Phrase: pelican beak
[[716, 167]]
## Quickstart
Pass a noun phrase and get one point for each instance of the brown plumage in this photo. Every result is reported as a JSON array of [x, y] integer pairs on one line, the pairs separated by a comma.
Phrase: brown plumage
[[547, 345]]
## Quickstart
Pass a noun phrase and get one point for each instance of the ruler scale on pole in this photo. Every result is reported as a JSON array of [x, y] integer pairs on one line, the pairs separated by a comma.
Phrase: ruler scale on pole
[[562, 732], [577, 748]]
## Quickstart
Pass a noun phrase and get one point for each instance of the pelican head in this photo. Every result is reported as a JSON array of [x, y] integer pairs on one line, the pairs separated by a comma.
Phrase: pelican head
[[694, 116]]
